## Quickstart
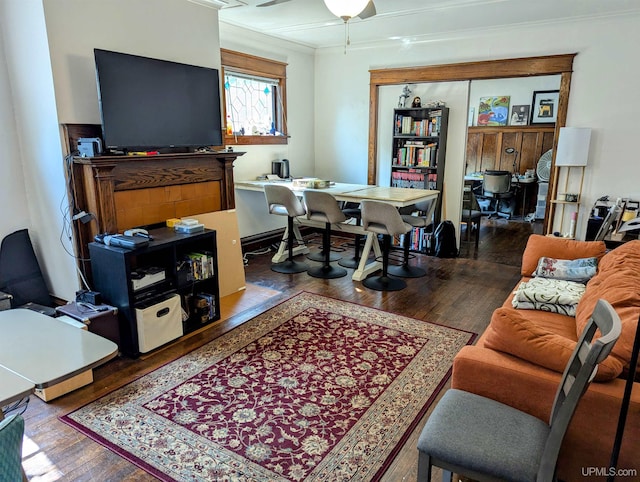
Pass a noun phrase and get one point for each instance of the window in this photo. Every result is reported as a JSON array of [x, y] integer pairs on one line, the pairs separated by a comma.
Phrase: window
[[254, 99]]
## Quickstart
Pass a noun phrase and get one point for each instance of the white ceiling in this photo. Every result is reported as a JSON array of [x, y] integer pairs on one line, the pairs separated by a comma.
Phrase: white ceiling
[[310, 23]]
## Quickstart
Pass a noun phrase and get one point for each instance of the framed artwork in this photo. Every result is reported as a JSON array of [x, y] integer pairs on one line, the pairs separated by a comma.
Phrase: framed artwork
[[519, 115], [493, 111], [544, 107]]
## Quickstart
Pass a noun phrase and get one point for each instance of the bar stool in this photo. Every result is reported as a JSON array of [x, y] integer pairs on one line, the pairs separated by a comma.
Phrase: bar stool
[[352, 210], [322, 206], [283, 202], [424, 221], [383, 218]]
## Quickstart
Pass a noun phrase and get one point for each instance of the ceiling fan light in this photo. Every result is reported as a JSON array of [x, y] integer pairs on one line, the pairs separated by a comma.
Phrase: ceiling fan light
[[346, 9]]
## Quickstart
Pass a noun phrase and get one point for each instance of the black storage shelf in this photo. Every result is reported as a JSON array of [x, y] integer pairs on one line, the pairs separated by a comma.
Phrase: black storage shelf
[[114, 269], [418, 154]]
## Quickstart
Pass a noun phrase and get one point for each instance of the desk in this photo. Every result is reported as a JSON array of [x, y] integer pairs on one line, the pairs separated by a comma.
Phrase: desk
[[523, 183], [397, 196], [45, 351]]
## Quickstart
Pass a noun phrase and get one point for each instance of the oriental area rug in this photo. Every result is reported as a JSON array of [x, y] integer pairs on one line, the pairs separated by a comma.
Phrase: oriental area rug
[[312, 389]]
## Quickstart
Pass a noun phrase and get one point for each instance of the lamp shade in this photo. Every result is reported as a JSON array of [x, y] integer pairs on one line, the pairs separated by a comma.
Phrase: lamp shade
[[346, 9], [573, 146]]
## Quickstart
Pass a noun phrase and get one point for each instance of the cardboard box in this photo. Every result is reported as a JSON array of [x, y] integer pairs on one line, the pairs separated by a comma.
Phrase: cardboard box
[[71, 384]]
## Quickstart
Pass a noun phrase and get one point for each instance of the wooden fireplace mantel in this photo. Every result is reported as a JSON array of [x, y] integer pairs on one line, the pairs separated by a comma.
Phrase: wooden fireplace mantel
[[97, 181], [122, 192]]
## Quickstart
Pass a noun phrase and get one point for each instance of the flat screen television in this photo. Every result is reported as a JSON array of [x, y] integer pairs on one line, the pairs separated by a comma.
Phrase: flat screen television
[[148, 104]]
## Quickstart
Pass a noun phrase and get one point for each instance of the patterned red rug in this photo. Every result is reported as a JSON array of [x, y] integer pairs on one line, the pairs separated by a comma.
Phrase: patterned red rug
[[312, 389]]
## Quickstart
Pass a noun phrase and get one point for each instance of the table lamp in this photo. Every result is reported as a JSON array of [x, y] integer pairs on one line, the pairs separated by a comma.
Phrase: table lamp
[[573, 146], [573, 151]]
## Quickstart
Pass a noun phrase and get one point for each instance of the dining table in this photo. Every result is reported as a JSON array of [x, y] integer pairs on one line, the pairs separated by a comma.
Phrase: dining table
[[356, 193]]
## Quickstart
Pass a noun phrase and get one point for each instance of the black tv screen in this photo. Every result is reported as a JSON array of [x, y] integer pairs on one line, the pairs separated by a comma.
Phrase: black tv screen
[[148, 104]]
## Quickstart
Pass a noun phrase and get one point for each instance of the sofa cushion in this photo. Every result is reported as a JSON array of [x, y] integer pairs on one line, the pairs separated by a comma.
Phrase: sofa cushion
[[617, 282], [511, 332], [539, 246]]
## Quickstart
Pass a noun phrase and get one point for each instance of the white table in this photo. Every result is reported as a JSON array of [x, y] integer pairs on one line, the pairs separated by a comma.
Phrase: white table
[[399, 197], [45, 351], [13, 388]]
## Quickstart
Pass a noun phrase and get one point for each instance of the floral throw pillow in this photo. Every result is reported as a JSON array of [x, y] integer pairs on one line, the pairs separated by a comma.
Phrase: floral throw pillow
[[579, 270]]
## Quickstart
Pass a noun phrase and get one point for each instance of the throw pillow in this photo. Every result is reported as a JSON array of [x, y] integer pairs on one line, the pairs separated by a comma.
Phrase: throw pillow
[[561, 248], [579, 270], [514, 334]]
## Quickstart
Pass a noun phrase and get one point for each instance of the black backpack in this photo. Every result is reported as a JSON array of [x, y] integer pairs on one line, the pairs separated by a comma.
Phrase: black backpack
[[445, 240]]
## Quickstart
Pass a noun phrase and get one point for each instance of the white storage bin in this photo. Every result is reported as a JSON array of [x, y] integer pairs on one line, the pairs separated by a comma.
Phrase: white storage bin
[[159, 323], [543, 188]]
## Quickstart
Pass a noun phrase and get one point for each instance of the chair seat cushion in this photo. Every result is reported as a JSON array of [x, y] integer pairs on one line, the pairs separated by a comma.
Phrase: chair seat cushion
[[279, 210], [484, 436], [416, 221]]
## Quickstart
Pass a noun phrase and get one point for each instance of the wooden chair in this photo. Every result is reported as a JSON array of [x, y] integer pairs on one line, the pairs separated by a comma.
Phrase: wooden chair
[[471, 214]]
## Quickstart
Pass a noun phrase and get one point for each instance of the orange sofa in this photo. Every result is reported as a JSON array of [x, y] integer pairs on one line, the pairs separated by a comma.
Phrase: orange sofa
[[519, 359]]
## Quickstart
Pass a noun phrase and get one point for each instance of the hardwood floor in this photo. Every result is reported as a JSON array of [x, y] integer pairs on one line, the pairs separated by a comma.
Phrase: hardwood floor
[[460, 292]]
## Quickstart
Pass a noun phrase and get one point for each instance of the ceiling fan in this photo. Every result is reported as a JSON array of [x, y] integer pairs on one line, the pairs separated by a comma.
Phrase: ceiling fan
[[338, 8]]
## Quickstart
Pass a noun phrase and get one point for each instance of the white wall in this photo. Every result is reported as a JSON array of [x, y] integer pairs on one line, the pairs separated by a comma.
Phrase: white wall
[[13, 195], [36, 144], [519, 90], [604, 94], [253, 217], [48, 45]]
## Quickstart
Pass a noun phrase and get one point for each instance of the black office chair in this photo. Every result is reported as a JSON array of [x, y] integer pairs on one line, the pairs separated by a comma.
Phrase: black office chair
[[283, 202], [20, 274], [497, 185], [483, 439]]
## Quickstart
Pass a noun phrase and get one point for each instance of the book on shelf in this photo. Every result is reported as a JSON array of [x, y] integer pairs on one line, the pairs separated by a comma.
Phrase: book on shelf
[[200, 265], [415, 180], [415, 153], [420, 240]]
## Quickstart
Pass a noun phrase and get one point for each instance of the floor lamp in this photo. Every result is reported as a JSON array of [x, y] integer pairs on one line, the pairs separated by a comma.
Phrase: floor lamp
[[573, 151], [622, 419]]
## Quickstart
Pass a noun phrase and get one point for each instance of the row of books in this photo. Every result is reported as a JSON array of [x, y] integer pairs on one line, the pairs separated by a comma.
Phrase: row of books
[[406, 125], [415, 180], [200, 265], [417, 155], [421, 240]]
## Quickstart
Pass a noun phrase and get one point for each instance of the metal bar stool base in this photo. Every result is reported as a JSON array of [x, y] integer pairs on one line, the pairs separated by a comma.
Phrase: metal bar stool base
[[384, 283], [327, 272], [406, 271], [349, 262], [319, 256], [289, 267]]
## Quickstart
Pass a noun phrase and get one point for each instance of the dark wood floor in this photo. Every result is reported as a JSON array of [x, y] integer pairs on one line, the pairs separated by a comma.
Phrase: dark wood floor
[[460, 292]]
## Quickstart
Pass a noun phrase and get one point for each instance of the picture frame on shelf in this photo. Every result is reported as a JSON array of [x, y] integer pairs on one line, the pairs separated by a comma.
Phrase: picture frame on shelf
[[544, 106], [519, 115], [493, 111]]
